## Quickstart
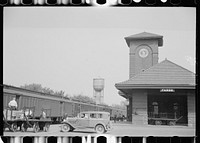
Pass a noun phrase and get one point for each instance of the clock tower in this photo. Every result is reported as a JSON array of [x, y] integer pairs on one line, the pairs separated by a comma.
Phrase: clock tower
[[143, 51]]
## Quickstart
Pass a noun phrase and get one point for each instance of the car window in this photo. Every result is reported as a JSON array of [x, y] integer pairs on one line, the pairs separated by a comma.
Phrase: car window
[[100, 115], [84, 115], [93, 115]]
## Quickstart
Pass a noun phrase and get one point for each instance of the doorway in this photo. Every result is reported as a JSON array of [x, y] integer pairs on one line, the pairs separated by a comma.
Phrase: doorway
[[167, 109]]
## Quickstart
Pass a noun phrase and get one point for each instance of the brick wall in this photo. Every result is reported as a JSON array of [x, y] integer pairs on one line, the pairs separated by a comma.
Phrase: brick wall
[[137, 63], [139, 108]]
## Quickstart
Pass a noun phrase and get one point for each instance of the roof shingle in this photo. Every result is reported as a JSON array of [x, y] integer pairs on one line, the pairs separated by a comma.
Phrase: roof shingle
[[163, 73], [145, 35]]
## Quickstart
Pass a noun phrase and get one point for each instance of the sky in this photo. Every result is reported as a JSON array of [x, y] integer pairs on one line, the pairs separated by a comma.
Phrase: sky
[[65, 48]]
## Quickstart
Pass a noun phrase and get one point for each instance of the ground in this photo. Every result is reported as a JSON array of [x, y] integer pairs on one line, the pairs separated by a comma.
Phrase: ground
[[119, 129]]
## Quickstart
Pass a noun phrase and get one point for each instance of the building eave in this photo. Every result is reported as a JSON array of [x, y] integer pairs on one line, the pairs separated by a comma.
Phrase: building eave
[[153, 86], [144, 36]]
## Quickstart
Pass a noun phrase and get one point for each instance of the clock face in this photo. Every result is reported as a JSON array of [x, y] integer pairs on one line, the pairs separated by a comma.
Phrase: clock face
[[143, 53]]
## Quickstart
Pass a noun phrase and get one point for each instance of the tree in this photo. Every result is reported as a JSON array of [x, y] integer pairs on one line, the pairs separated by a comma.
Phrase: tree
[[47, 90], [122, 105], [60, 93], [104, 104], [33, 86], [39, 88], [83, 98]]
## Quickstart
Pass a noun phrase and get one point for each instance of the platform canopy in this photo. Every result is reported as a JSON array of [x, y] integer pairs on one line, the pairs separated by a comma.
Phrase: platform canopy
[[165, 74], [144, 36]]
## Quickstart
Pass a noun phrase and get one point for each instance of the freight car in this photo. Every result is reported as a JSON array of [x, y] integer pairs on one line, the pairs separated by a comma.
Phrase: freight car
[[57, 104]]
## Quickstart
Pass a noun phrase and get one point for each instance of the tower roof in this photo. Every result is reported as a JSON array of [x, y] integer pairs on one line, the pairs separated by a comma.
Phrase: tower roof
[[164, 74], [144, 36]]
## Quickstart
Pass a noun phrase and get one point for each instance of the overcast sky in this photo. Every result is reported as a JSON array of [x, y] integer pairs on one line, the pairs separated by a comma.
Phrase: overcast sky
[[65, 48]]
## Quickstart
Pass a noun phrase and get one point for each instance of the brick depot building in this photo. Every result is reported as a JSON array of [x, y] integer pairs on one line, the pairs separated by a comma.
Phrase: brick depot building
[[158, 93]]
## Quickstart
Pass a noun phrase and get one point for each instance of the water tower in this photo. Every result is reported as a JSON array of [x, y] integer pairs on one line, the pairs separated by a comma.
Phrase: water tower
[[98, 85]]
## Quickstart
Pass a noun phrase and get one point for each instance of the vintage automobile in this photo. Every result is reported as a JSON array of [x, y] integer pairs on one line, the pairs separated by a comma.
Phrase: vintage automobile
[[100, 121]]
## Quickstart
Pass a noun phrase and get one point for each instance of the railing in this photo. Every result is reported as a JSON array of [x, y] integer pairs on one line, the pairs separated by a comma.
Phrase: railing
[[162, 115]]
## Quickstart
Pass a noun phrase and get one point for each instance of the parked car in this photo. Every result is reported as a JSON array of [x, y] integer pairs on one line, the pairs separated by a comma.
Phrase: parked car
[[99, 121]]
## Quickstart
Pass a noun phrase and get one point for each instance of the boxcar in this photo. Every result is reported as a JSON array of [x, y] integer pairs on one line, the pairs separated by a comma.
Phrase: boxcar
[[57, 104]]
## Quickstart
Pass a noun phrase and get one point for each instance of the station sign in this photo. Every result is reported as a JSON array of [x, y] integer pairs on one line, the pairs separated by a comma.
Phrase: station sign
[[167, 90]]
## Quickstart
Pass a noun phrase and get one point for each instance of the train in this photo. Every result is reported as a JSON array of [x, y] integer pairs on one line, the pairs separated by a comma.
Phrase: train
[[57, 104]]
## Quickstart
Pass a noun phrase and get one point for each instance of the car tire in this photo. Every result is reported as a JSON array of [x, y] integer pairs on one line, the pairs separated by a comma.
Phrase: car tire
[[36, 127], [46, 127], [14, 127], [100, 129], [24, 127], [65, 128], [158, 122], [172, 123]]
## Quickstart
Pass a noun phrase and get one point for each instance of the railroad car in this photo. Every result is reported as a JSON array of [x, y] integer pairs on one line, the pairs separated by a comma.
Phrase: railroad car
[[57, 104]]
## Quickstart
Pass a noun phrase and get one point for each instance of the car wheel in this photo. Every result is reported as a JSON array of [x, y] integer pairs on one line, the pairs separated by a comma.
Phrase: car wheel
[[24, 127], [4, 128], [65, 128], [14, 127], [36, 127], [172, 123], [46, 127], [100, 129], [158, 122]]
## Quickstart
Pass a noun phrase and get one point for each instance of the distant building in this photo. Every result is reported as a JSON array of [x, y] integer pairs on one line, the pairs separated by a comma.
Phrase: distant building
[[155, 90]]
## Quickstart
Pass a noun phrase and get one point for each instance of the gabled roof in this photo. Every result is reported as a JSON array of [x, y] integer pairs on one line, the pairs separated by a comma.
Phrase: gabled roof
[[144, 35], [165, 73]]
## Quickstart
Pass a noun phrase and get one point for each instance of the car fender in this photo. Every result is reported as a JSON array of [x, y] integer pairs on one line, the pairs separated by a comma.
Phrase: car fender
[[101, 123], [66, 122], [106, 128]]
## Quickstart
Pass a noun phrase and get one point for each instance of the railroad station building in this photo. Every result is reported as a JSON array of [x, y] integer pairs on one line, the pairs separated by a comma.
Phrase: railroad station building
[[157, 93]]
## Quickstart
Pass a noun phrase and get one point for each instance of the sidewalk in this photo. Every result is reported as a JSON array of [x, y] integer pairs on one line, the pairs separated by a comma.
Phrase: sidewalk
[[126, 123]]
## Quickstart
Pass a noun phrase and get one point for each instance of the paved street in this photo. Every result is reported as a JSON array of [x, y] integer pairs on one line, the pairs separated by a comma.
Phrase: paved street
[[119, 129]]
